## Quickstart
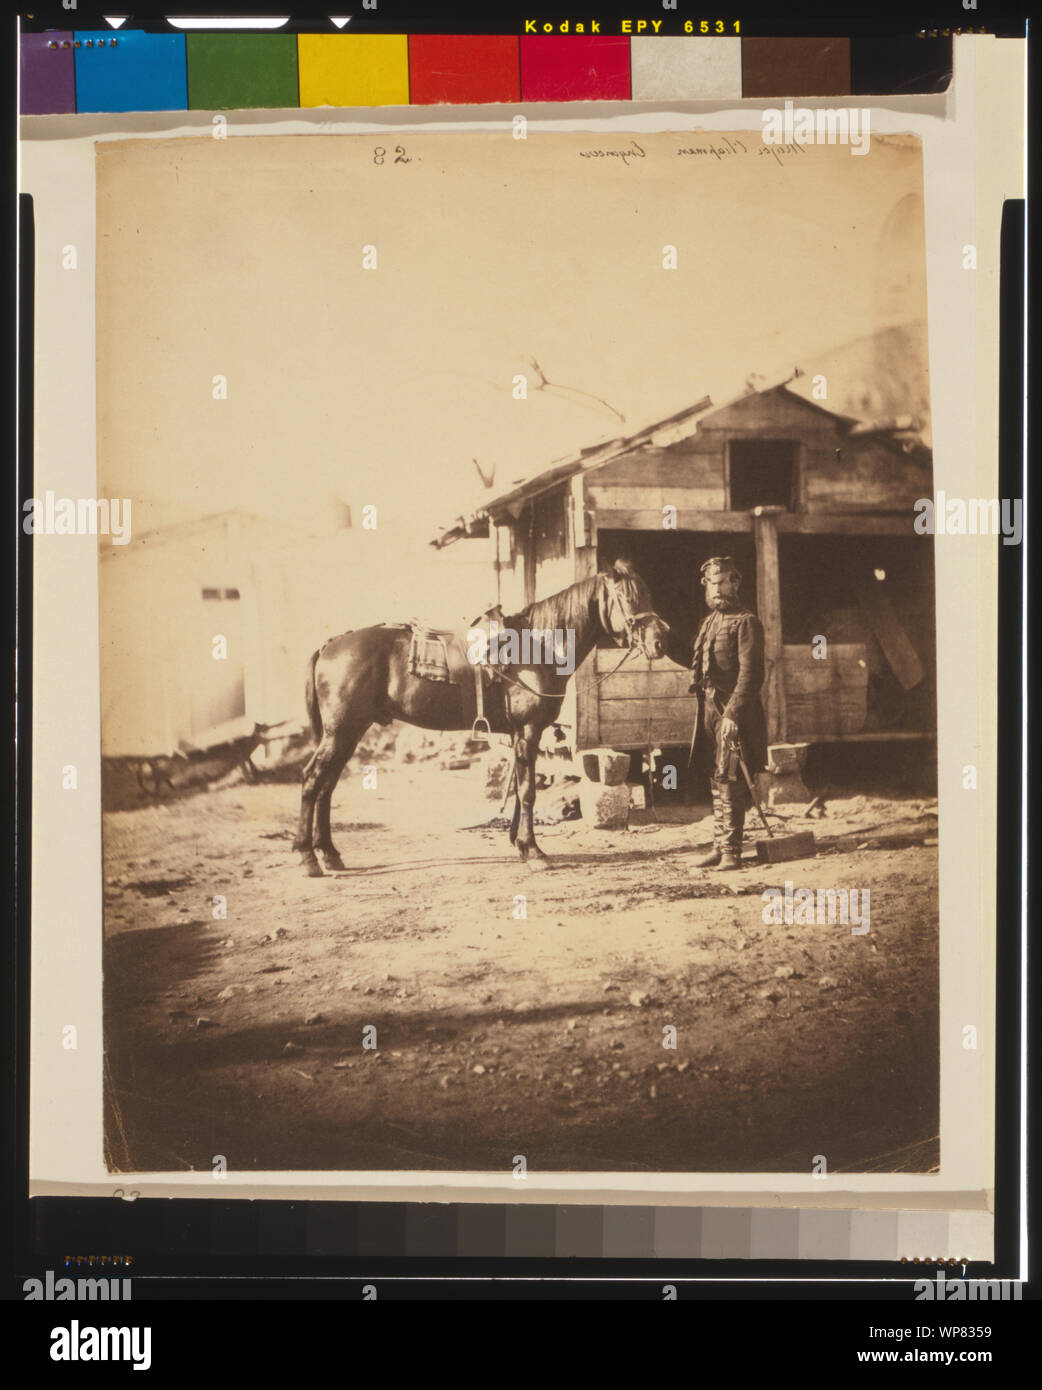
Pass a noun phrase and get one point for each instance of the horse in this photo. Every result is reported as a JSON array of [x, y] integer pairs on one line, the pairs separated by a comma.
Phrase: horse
[[363, 677]]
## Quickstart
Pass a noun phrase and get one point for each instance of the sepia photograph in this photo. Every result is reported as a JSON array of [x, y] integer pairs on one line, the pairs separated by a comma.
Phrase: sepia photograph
[[518, 659]]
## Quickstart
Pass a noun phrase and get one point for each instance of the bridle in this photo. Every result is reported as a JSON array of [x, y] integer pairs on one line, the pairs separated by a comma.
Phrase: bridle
[[610, 591], [635, 624]]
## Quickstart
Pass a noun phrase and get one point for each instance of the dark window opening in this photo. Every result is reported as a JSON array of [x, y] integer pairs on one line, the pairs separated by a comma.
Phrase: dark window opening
[[763, 474]]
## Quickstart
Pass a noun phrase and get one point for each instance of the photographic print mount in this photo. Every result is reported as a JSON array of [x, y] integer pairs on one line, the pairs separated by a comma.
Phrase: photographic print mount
[[766, 394]]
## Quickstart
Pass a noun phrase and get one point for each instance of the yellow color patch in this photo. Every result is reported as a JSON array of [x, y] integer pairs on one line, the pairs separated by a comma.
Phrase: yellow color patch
[[353, 69]]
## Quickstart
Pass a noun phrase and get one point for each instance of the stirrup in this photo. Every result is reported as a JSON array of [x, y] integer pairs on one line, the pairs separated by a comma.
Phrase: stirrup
[[481, 732]]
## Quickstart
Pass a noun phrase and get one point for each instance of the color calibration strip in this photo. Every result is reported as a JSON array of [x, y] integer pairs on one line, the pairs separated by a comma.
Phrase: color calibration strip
[[131, 70]]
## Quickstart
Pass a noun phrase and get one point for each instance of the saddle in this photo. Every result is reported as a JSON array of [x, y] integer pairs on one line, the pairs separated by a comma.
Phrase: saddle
[[441, 654]]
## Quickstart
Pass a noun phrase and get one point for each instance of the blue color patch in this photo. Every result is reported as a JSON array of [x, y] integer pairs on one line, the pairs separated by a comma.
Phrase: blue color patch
[[139, 72]]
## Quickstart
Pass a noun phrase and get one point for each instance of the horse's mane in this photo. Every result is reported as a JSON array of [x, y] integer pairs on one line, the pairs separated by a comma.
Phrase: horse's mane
[[569, 608]]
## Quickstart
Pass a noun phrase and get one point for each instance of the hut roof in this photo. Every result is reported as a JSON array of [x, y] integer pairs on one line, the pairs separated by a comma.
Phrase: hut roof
[[672, 430]]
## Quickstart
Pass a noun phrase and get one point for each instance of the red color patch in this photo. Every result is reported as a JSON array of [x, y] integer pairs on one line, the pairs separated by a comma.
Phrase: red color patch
[[565, 68], [463, 68]]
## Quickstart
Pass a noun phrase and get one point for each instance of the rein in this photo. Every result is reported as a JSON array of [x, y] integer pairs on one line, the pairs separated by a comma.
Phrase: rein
[[631, 621]]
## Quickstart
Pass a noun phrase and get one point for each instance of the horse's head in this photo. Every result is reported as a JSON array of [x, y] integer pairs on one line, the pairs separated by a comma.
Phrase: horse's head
[[626, 613]]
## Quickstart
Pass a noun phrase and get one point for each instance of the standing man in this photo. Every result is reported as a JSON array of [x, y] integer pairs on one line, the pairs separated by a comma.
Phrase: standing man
[[728, 672]]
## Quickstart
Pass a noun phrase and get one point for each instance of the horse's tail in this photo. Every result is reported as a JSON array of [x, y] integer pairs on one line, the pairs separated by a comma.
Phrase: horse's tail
[[311, 699]]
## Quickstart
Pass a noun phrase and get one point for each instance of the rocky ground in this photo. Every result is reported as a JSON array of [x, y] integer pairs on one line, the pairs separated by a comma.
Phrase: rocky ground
[[503, 1026]]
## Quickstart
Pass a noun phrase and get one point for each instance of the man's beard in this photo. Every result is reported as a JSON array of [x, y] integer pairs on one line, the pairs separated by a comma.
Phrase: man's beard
[[721, 603]]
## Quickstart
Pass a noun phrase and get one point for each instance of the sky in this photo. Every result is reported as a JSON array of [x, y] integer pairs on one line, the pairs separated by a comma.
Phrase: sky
[[243, 258]]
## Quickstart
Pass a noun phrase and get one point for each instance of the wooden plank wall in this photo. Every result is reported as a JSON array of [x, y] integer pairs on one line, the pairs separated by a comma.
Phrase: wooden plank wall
[[825, 698], [643, 698]]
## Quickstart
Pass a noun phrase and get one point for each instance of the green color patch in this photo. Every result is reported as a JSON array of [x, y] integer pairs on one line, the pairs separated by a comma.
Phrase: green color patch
[[235, 71]]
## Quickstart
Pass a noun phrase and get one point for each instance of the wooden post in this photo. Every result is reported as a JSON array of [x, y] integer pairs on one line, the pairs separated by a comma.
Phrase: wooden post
[[587, 691], [768, 603]]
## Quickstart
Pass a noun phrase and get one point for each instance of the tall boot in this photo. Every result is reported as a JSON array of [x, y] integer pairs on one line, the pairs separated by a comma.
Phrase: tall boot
[[733, 804], [712, 858]]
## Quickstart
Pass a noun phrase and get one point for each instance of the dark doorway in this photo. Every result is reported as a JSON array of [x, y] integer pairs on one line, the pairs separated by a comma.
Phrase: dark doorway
[[670, 562], [762, 474]]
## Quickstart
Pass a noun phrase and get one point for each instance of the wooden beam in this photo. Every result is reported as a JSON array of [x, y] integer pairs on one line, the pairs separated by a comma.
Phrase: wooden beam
[[788, 523], [845, 524], [650, 519], [587, 691], [876, 736], [897, 646], [768, 604]]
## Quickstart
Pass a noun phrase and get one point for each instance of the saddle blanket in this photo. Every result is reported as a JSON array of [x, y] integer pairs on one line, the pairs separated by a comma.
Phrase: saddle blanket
[[428, 656]]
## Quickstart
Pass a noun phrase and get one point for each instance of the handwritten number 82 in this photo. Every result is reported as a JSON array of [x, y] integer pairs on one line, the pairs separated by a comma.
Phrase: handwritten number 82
[[400, 157]]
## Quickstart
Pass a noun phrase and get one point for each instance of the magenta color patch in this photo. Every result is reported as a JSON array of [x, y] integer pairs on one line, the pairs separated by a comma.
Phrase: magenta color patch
[[573, 68]]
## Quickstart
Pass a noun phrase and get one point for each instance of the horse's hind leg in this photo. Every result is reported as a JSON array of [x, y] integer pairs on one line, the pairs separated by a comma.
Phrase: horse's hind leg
[[310, 784], [330, 776]]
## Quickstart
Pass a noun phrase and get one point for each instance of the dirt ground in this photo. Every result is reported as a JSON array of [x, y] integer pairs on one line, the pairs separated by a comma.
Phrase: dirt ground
[[499, 1034]]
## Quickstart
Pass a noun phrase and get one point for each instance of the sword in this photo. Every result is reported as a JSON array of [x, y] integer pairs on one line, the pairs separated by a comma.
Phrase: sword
[[694, 731]]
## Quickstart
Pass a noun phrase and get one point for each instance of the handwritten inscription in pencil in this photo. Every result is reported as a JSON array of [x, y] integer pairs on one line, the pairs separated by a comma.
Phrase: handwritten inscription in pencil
[[626, 153]]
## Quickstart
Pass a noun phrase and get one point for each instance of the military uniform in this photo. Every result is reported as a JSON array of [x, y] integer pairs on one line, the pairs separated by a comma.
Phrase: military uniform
[[728, 670]]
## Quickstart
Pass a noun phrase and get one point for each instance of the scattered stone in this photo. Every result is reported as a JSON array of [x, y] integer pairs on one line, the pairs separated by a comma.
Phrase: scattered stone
[[478, 1069], [526, 1006], [863, 844], [652, 1091], [292, 1047], [571, 1025], [203, 1022], [662, 1066], [314, 1018], [639, 998], [606, 807], [343, 1065], [605, 766], [609, 987], [577, 1071], [771, 995], [445, 1082], [826, 982], [784, 972], [227, 993], [683, 1066]]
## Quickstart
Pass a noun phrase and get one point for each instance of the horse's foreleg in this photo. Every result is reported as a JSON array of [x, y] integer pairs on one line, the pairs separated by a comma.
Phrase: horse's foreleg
[[526, 752], [520, 763], [541, 860]]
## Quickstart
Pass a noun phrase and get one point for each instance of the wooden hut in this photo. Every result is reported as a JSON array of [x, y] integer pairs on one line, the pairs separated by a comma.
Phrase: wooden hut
[[817, 510]]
